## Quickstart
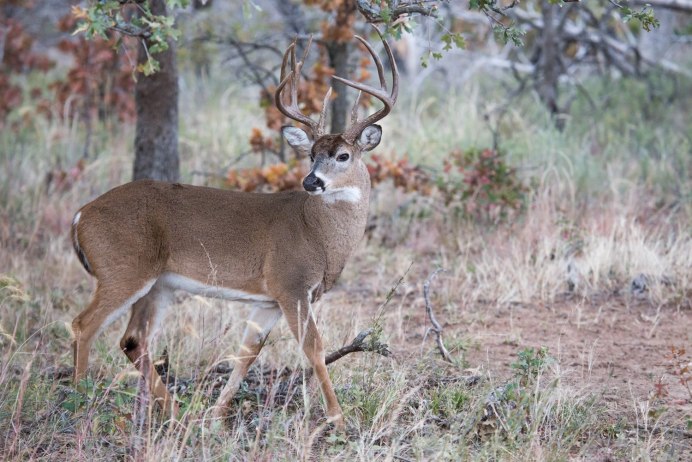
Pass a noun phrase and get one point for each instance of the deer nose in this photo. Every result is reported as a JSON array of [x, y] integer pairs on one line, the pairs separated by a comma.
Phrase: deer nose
[[311, 183]]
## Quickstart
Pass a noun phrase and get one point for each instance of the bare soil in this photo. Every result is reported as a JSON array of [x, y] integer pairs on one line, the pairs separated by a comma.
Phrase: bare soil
[[616, 346]]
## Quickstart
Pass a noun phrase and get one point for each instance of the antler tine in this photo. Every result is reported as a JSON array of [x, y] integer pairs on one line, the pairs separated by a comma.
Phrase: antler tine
[[297, 68], [323, 113], [307, 50], [392, 62], [388, 99], [293, 111], [284, 61], [378, 63], [295, 77], [354, 109]]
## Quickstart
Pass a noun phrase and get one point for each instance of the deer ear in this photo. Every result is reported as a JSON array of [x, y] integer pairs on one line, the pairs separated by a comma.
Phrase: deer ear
[[297, 139], [370, 137]]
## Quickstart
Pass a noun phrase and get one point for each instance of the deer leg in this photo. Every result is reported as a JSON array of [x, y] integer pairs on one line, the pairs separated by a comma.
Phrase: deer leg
[[107, 304], [259, 325], [299, 317], [139, 334]]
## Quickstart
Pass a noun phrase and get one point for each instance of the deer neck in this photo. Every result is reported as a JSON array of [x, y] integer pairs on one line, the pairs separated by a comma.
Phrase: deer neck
[[337, 222]]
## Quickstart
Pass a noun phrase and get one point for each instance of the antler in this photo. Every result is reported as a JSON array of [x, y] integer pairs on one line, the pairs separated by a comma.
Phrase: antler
[[317, 128], [293, 111], [388, 99]]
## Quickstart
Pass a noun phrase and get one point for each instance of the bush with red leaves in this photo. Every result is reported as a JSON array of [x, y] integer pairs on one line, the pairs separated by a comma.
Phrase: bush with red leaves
[[18, 58], [98, 85], [101, 80]]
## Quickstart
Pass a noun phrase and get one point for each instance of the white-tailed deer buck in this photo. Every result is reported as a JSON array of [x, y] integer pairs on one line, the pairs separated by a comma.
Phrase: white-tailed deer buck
[[278, 252]]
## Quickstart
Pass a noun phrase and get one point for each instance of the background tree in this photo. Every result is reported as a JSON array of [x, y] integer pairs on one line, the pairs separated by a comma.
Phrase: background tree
[[156, 140], [156, 96], [156, 89], [552, 28]]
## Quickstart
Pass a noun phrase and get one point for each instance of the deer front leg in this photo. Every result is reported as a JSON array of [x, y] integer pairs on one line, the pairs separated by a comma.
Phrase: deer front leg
[[299, 317], [259, 325]]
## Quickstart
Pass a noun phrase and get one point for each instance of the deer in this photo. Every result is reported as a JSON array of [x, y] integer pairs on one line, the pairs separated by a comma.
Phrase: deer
[[278, 252]]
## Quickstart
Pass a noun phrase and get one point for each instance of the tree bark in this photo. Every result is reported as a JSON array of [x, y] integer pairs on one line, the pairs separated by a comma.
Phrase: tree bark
[[548, 65], [338, 60], [338, 50], [156, 100]]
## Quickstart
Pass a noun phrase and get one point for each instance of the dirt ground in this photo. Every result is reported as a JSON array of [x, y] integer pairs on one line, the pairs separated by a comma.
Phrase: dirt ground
[[617, 347]]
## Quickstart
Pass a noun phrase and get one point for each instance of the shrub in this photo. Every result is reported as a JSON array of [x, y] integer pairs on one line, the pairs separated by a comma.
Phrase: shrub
[[479, 184]]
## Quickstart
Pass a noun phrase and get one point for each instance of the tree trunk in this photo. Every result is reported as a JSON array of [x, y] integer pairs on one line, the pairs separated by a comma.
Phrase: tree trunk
[[547, 85], [338, 60], [156, 99], [338, 49]]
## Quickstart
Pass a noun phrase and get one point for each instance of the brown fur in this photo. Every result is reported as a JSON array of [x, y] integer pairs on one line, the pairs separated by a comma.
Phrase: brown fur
[[289, 247]]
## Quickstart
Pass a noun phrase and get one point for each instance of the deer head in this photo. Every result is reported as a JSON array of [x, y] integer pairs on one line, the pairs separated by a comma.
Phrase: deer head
[[335, 158]]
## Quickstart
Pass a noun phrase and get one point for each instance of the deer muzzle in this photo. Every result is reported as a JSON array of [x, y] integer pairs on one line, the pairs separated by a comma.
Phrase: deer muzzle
[[312, 183]]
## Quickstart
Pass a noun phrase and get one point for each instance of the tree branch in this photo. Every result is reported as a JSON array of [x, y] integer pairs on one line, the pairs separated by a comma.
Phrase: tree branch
[[373, 13], [436, 328], [359, 344], [682, 6], [131, 30]]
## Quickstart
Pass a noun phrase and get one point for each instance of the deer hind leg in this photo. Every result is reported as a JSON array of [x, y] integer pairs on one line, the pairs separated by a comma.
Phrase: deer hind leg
[[299, 317], [108, 303], [259, 325], [138, 336]]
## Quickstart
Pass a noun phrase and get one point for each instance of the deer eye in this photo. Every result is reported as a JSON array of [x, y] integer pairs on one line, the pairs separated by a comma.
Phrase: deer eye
[[342, 157]]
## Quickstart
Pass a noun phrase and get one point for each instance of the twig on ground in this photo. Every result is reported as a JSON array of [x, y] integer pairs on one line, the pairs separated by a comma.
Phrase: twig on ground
[[258, 377], [436, 327], [359, 344]]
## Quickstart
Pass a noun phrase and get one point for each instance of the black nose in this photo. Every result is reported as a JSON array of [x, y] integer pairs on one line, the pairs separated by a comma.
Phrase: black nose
[[311, 183]]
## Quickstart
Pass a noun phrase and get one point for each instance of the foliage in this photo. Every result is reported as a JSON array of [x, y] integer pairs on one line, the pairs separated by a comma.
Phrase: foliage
[[97, 84], [680, 366], [645, 16], [481, 185], [523, 406], [130, 18], [477, 184], [531, 363], [18, 58], [100, 79], [273, 178], [401, 172]]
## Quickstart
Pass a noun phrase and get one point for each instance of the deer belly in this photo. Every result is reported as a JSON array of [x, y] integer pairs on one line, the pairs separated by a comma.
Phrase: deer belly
[[193, 286]]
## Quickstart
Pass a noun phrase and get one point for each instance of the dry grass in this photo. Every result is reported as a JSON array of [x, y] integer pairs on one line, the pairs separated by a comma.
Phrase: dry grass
[[553, 276]]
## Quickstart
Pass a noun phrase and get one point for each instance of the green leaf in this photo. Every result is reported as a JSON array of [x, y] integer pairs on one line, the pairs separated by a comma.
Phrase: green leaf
[[149, 67], [386, 15], [645, 16], [509, 34], [453, 39], [81, 27], [172, 4], [158, 47]]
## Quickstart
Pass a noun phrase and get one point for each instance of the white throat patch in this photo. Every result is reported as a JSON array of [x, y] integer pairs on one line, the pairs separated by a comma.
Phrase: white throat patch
[[347, 194]]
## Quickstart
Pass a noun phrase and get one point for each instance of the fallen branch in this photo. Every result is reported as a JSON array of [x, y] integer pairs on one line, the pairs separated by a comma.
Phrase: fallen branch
[[359, 344], [256, 377], [436, 327]]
